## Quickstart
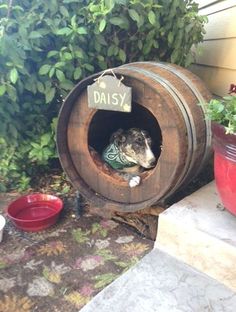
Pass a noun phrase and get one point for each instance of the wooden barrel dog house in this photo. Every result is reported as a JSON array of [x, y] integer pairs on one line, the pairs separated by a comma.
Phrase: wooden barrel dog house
[[165, 102]]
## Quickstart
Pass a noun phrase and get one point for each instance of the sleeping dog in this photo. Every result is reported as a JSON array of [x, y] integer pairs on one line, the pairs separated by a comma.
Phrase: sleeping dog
[[129, 152]]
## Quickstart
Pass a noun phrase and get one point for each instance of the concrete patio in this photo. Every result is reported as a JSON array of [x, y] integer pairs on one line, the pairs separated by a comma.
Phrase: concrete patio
[[192, 267]]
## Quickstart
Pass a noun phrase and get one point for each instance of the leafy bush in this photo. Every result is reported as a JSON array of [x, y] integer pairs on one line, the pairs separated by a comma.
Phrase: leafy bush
[[47, 46]]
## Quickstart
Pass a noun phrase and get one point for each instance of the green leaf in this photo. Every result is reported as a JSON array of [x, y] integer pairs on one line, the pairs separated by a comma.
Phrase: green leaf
[[45, 139], [3, 189], [4, 6], [174, 56], [110, 51], [100, 58], [52, 53], [67, 85], [94, 8], [110, 4], [134, 15], [97, 46], [116, 41], [102, 25], [64, 31], [17, 8], [155, 44], [2, 89], [101, 39], [68, 56], [65, 48], [60, 75], [38, 49], [59, 64], [147, 47], [70, 1], [82, 31], [11, 92], [122, 55], [79, 54], [50, 95], [40, 87], [44, 69], [180, 23], [13, 75], [73, 21], [170, 37], [54, 124], [189, 59], [77, 73], [30, 85], [152, 17], [64, 12], [140, 44], [35, 35], [35, 145], [13, 131], [141, 21], [116, 20], [65, 189], [89, 67], [51, 72]]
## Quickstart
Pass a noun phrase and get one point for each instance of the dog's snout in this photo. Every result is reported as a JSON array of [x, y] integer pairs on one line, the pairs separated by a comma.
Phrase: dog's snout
[[153, 162]]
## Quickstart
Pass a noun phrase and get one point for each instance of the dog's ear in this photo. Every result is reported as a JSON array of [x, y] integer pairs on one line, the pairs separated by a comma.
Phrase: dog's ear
[[118, 137]]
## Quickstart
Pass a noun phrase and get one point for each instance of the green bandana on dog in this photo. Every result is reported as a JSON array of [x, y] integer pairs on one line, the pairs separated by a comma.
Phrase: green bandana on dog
[[114, 158]]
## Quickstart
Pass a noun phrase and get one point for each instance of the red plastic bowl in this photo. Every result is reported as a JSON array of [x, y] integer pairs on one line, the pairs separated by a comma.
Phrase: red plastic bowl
[[35, 212]]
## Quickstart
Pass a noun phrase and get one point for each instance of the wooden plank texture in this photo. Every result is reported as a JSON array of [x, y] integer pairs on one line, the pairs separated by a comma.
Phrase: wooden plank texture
[[221, 24], [216, 79], [204, 3], [218, 53], [217, 7]]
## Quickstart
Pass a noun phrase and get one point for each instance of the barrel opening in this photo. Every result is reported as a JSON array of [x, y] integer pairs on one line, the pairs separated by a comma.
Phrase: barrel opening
[[104, 123]]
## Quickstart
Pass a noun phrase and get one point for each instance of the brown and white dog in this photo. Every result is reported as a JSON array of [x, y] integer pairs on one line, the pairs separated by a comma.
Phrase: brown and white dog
[[129, 152]]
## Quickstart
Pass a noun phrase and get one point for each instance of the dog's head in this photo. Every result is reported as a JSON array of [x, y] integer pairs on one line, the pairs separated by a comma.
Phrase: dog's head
[[135, 144]]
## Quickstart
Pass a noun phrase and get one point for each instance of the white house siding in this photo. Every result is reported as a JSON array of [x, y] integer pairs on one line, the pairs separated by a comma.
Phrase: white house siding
[[216, 64]]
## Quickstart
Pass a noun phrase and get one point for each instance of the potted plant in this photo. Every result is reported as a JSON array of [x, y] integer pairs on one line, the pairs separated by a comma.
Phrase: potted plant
[[222, 113]]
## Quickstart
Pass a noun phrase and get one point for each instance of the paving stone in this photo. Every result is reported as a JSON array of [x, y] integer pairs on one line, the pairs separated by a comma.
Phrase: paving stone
[[198, 231], [160, 283]]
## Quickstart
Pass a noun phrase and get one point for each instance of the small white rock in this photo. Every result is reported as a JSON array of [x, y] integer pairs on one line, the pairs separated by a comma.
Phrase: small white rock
[[134, 181]]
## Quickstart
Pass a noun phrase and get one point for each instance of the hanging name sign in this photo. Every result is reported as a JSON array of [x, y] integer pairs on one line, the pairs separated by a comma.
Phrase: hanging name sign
[[109, 93]]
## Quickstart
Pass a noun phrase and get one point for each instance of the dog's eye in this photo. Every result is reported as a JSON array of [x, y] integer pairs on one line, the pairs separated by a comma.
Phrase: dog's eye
[[138, 140]]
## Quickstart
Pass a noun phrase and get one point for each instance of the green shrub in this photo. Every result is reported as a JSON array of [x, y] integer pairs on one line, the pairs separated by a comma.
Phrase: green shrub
[[47, 46]]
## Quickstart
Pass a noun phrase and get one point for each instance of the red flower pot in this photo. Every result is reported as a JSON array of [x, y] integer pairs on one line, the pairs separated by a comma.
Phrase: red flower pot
[[224, 146]]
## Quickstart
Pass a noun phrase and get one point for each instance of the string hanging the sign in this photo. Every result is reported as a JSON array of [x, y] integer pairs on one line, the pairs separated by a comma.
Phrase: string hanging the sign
[[110, 70], [109, 93]]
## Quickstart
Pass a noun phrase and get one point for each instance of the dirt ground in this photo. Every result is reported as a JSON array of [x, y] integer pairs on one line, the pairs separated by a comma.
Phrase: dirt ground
[[62, 268]]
